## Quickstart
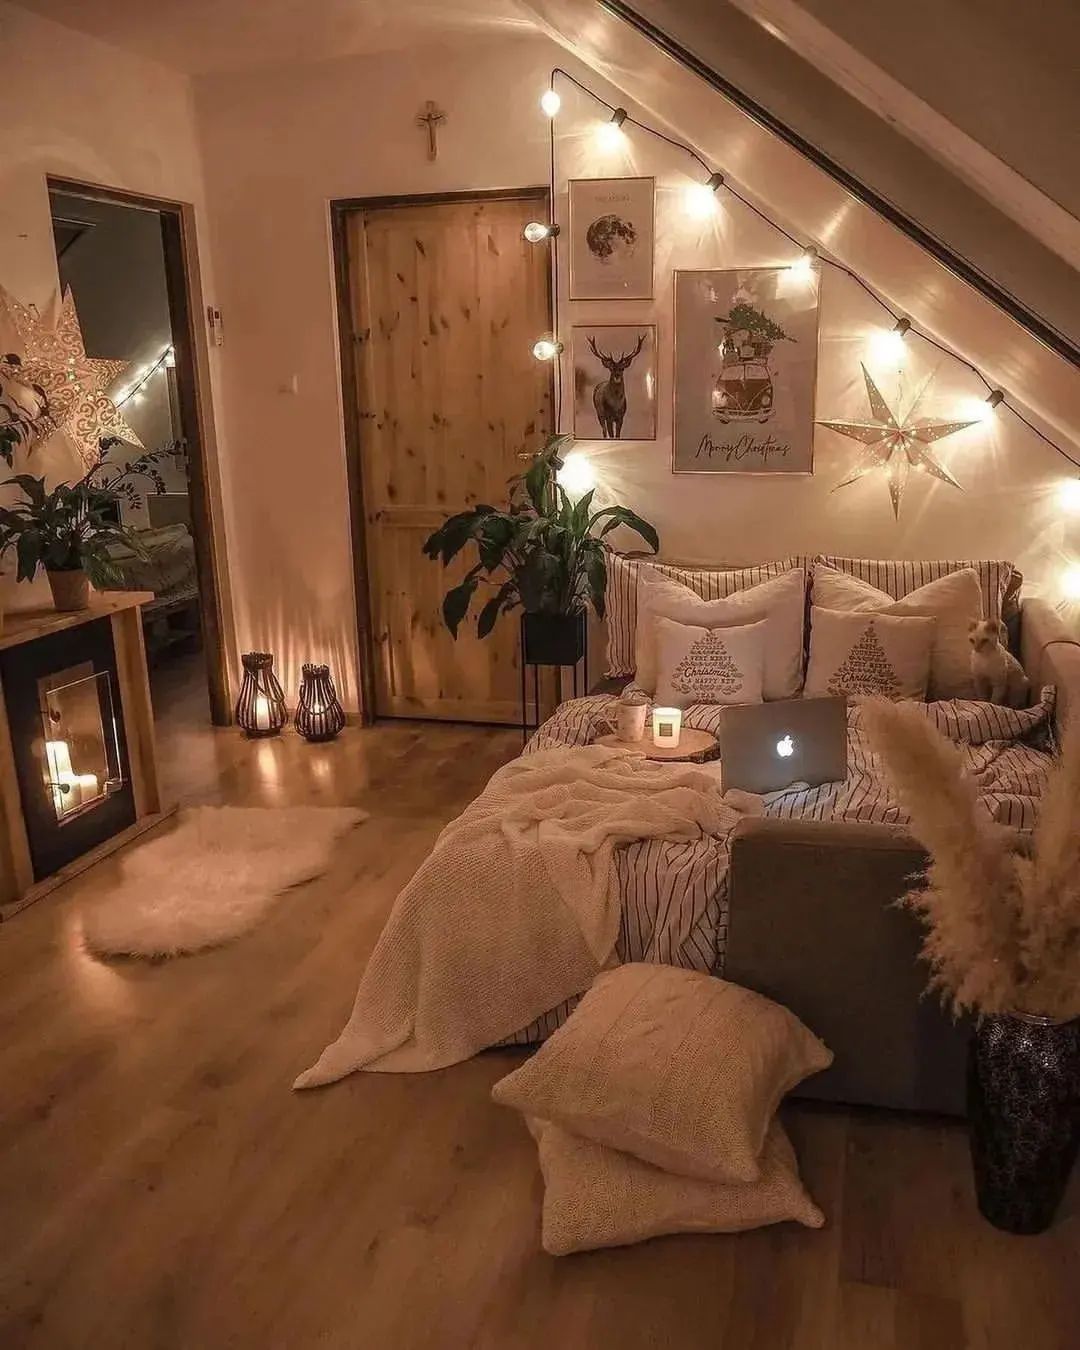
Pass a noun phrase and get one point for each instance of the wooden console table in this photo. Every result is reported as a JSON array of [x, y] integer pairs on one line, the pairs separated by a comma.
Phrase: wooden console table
[[18, 884]]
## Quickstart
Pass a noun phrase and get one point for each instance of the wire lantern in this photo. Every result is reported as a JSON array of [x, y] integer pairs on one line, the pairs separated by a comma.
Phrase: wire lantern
[[260, 709], [319, 714]]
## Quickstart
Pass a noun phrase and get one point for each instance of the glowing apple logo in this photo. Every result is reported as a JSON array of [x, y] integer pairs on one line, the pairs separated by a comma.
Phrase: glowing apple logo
[[785, 747]]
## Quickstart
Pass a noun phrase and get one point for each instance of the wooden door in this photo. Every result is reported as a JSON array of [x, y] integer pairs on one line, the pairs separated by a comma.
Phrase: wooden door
[[447, 299]]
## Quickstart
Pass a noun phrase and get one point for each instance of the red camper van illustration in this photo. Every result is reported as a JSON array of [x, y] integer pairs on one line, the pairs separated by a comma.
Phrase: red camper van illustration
[[744, 389]]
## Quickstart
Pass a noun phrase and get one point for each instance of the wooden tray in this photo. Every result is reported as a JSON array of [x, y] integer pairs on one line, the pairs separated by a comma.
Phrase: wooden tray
[[691, 744]]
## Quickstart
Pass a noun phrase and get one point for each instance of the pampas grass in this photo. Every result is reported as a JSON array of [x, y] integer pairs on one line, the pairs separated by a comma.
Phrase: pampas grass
[[1002, 928]]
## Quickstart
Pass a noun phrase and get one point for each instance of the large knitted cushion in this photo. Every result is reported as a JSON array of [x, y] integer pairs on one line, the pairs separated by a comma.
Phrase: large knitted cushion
[[999, 581], [711, 583], [681, 1069], [598, 1197]]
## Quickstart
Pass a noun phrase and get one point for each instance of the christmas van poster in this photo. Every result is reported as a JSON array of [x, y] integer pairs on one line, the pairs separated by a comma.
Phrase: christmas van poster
[[745, 371]]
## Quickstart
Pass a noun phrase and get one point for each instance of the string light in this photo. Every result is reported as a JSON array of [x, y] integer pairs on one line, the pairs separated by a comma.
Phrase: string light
[[537, 231], [803, 269], [577, 475], [887, 345], [1069, 495], [1070, 582], [700, 201], [611, 135], [550, 102], [134, 393], [547, 349]]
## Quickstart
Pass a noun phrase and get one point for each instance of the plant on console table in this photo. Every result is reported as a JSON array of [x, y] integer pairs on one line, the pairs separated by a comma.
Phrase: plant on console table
[[1002, 915], [544, 554], [71, 529]]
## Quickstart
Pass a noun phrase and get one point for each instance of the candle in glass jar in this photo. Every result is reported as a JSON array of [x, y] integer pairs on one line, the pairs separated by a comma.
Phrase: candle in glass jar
[[666, 725]]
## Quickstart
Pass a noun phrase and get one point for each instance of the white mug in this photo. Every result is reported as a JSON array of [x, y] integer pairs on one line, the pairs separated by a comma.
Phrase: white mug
[[630, 721]]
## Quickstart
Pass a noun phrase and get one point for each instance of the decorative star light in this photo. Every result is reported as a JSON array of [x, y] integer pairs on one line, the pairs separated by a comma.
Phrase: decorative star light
[[55, 359], [897, 445]]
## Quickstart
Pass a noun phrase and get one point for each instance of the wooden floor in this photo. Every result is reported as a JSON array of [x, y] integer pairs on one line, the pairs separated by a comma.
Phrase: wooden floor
[[161, 1187]]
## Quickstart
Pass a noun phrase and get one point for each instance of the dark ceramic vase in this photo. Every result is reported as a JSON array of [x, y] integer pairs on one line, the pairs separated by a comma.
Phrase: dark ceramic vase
[[1024, 1116]]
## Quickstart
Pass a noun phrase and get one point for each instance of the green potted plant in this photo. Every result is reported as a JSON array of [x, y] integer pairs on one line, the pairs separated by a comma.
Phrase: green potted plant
[[71, 529], [545, 554]]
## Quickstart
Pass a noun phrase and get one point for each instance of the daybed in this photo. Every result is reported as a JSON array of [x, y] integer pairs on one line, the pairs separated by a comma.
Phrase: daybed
[[800, 904]]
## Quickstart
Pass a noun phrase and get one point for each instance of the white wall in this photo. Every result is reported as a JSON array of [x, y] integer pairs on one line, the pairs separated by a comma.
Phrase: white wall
[[278, 147], [76, 108]]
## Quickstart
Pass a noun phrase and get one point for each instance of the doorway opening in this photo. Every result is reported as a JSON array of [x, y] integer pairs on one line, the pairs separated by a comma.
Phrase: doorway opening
[[125, 260], [440, 300]]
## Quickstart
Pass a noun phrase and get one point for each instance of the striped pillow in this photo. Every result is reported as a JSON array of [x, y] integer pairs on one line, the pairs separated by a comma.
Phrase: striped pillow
[[711, 583], [999, 582]]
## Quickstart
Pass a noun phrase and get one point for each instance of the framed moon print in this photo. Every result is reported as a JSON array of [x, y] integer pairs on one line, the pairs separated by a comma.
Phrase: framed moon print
[[745, 371], [611, 238], [615, 382]]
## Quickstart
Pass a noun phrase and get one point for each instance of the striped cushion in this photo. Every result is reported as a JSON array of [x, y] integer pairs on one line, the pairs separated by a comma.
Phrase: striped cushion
[[711, 583], [999, 582]]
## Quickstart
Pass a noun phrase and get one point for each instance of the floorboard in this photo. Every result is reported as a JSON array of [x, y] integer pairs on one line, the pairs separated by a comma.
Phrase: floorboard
[[160, 1186]]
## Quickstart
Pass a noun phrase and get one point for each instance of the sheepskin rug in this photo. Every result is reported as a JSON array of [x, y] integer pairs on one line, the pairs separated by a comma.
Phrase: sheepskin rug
[[212, 877]]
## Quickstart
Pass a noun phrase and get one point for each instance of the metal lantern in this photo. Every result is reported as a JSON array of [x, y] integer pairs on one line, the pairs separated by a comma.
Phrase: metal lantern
[[260, 709], [319, 714]]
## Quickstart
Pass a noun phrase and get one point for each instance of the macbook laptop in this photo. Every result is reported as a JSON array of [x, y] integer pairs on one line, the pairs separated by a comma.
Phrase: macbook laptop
[[765, 746]]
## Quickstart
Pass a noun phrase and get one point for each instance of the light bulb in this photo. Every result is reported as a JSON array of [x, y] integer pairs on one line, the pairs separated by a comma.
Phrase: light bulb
[[1070, 582], [550, 102], [1069, 495], [170, 359], [536, 231], [610, 136], [887, 345], [802, 269], [700, 201], [547, 349], [577, 475]]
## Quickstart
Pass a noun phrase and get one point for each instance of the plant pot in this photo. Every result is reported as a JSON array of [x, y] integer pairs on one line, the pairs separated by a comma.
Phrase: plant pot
[[553, 639], [1024, 1117], [70, 589]]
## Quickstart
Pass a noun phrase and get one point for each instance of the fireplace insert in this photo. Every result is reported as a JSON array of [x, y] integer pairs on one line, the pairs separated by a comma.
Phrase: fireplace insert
[[71, 759]]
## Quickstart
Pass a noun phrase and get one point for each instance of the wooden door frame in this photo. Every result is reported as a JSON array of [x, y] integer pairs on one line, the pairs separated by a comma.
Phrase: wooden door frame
[[340, 211], [183, 284]]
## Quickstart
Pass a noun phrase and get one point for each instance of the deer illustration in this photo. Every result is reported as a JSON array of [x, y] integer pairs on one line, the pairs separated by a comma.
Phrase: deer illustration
[[609, 396]]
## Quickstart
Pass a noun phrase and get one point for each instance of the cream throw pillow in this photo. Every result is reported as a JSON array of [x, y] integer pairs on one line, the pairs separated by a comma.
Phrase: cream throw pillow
[[708, 665], [954, 601], [860, 653], [598, 1197], [681, 1069], [781, 601]]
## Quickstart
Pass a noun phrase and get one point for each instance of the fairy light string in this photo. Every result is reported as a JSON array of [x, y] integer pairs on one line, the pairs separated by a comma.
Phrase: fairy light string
[[903, 324], [166, 359]]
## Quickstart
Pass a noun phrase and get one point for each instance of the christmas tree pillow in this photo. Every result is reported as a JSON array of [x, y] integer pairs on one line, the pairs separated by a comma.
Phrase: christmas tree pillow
[[708, 665], [860, 653], [781, 601]]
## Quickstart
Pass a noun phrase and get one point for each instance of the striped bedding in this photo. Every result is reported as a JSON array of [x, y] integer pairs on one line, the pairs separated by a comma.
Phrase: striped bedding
[[674, 895]]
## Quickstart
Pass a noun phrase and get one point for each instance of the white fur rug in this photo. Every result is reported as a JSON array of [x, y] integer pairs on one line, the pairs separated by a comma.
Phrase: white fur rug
[[212, 877]]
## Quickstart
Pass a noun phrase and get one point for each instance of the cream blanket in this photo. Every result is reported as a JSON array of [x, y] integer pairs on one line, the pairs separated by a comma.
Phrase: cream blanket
[[516, 907]]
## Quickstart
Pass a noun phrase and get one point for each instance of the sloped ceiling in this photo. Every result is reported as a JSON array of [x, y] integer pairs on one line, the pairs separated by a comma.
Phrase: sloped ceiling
[[202, 36]]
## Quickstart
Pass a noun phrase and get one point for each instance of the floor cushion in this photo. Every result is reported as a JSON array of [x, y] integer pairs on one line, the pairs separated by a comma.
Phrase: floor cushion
[[598, 1197], [681, 1069]]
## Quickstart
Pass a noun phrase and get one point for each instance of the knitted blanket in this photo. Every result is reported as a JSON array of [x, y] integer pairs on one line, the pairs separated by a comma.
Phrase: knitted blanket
[[516, 908]]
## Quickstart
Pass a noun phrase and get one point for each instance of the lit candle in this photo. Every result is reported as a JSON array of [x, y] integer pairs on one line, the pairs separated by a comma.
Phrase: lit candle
[[666, 725], [263, 719], [87, 786], [72, 798], [58, 758]]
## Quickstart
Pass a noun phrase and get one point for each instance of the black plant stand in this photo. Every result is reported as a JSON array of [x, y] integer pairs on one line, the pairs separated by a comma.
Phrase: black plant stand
[[554, 641]]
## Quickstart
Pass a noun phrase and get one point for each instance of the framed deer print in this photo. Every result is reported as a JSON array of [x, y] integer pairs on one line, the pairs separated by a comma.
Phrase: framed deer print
[[611, 238], [745, 371], [615, 382]]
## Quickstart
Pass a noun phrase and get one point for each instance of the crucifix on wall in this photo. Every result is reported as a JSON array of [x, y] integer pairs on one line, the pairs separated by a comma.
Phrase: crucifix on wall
[[431, 119]]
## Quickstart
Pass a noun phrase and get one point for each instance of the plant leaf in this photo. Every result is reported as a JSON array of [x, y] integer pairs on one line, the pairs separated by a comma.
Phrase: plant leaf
[[456, 602]]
